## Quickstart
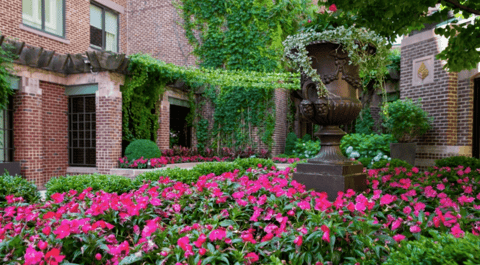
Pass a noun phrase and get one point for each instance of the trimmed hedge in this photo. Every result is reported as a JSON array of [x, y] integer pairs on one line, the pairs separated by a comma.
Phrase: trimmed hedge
[[19, 187], [392, 164], [455, 161], [142, 148], [107, 183], [441, 249]]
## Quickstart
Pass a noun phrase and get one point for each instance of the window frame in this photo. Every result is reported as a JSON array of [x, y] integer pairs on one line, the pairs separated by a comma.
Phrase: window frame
[[9, 151], [43, 20], [71, 131], [104, 38]]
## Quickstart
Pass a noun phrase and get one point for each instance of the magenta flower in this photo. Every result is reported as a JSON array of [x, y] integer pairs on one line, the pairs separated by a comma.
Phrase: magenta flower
[[251, 258], [217, 234], [298, 240], [32, 256], [397, 223], [183, 243], [53, 257], [398, 237], [415, 229], [333, 8], [457, 231], [201, 239], [326, 233], [58, 197]]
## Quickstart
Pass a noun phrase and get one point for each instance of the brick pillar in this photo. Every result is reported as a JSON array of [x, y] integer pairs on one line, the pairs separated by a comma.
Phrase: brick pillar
[[280, 133], [109, 125], [163, 133], [28, 130]]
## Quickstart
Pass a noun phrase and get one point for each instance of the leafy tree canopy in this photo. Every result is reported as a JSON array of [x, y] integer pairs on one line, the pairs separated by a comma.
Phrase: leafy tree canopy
[[396, 18]]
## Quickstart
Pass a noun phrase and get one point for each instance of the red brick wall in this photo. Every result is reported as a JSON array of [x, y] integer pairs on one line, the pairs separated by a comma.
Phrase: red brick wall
[[465, 112], [153, 28], [28, 136], [109, 132], [77, 27], [435, 96], [55, 129], [280, 133], [163, 133]]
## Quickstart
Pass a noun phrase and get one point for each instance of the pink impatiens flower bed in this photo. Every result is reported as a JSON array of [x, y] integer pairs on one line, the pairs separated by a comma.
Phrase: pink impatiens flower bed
[[263, 217], [165, 160]]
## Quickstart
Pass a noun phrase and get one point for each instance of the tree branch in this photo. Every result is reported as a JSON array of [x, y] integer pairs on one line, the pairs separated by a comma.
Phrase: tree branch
[[462, 7]]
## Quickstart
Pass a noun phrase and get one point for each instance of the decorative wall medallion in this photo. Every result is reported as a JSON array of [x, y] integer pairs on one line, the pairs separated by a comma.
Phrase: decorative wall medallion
[[423, 70]]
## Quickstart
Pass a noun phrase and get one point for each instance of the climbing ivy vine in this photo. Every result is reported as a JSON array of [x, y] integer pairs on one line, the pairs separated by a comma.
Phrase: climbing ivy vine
[[148, 78], [6, 59], [239, 35]]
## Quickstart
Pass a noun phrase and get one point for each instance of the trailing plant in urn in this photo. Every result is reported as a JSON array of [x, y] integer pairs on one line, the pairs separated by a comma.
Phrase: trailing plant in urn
[[405, 119]]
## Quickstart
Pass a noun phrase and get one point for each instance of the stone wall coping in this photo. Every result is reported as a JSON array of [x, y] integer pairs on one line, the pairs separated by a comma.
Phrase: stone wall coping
[[444, 149], [43, 34], [112, 5], [81, 170]]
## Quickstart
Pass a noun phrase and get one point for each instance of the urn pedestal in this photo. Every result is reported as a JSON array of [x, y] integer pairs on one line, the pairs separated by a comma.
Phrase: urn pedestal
[[330, 170]]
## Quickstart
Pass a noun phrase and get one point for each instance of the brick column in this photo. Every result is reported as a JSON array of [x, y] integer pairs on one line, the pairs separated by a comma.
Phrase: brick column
[[280, 133], [109, 124], [163, 133], [28, 130]]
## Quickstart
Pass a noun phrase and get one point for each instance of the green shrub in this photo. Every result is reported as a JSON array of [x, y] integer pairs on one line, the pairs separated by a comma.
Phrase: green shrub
[[367, 145], [405, 119], [306, 149], [179, 174], [364, 123], [365, 161], [218, 168], [19, 187], [306, 138], [455, 161], [391, 164], [142, 148], [440, 249], [290, 143], [246, 163], [107, 183]]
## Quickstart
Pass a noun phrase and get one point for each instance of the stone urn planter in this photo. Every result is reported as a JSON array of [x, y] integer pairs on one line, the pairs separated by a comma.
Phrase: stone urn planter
[[330, 170], [404, 151]]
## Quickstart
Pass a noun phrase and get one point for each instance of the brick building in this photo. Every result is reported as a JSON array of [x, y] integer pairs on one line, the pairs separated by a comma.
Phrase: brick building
[[451, 98], [65, 115]]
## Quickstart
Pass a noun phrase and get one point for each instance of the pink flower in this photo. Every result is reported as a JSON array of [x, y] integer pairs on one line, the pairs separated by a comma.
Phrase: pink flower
[[398, 237], [98, 256], [387, 199], [183, 243], [326, 233], [58, 197], [42, 245], [32, 256], [333, 8], [440, 186], [415, 229], [201, 239], [407, 210], [251, 258], [217, 234], [397, 223], [298, 240], [457, 231], [53, 257], [202, 251]]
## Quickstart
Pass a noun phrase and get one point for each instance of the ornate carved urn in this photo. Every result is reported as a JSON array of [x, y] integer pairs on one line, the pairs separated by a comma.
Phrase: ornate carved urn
[[330, 170]]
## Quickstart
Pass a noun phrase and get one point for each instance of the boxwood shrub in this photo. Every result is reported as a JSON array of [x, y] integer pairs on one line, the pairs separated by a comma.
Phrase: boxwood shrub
[[392, 164], [455, 161], [107, 183], [142, 148], [440, 249], [18, 186]]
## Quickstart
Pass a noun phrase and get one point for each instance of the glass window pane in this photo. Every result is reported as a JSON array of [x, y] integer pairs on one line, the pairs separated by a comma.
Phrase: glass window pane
[[32, 13], [96, 16], [111, 31], [54, 16]]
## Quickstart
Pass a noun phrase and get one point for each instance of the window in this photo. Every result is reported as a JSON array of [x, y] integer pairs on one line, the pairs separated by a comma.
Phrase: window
[[6, 132], [82, 131], [103, 28], [45, 15]]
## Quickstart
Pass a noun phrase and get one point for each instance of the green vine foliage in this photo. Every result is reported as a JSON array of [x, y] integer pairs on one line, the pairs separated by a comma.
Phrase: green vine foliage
[[6, 59], [148, 78], [243, 35]]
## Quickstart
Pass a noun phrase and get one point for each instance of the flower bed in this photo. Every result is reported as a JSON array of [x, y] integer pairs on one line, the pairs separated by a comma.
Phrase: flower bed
[[164, 160], [285, 160], [262, 217]]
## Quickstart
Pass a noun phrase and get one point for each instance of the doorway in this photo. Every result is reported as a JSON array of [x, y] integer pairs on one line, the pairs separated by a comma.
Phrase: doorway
[[476, 118], [180, 131]]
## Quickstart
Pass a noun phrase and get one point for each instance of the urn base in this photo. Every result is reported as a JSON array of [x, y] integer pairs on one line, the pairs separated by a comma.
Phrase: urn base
[[331, 178]]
